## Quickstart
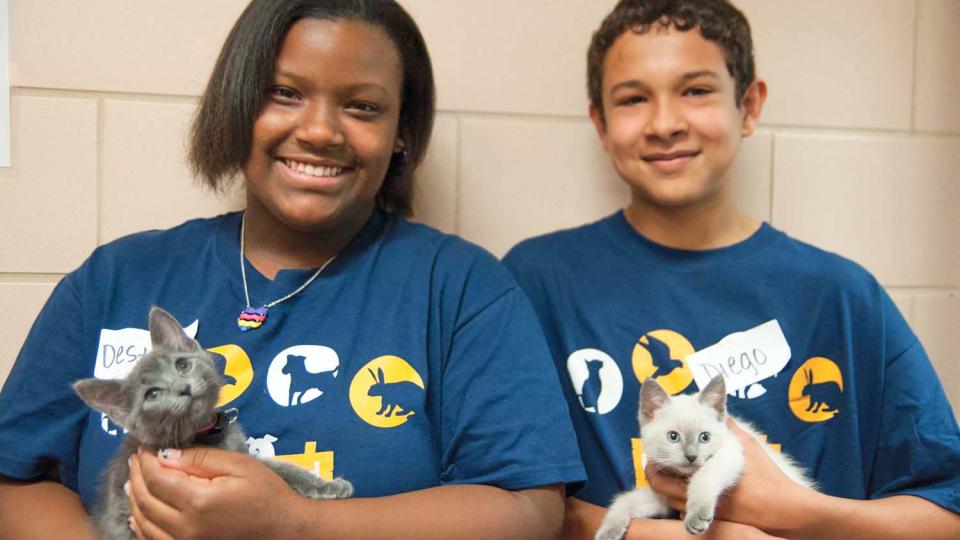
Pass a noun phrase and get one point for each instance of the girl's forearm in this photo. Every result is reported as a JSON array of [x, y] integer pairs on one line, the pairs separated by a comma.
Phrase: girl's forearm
[[41, 510], [468, 511]]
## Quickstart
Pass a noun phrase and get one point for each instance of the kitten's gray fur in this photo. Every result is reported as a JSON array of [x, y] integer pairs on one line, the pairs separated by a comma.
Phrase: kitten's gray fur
[[671, 429], [168, 397]]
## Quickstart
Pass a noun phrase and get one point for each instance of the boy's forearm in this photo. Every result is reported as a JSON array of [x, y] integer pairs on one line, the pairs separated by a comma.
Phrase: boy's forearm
[[467, 511], [41, 510], [582, 520], [894, 518]]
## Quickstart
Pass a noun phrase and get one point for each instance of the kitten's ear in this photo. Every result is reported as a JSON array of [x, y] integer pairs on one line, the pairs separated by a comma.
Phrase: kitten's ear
[[167, 332], [106, 396], [715, 396], [652, 398]]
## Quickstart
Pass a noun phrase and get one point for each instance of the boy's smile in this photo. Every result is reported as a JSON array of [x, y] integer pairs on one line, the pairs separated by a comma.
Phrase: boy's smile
[[670, 121]]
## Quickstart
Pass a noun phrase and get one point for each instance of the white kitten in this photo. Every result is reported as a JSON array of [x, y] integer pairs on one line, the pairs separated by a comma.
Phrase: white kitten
[[688, 436]]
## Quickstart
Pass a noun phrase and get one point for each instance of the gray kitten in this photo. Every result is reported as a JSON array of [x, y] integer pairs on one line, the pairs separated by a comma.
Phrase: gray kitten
[[688, 436], [169, 401]]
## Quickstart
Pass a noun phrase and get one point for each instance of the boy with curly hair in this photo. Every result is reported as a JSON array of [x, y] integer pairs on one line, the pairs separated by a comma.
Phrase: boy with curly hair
[[821, 360]]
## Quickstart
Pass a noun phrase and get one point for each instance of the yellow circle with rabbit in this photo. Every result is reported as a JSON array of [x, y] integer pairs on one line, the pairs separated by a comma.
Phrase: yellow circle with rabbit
[[663, 358], [386, 392], [239, 367], [816, 390]]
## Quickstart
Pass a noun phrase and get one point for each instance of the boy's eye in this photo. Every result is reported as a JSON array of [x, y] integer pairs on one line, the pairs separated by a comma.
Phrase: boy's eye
[[698, 91], [631, 100], [182, 365], [673, 436], [152, 394], [704, 437]]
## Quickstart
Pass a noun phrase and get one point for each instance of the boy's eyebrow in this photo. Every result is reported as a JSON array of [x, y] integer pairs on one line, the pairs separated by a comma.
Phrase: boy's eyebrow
[[702, 73], [635, 83]]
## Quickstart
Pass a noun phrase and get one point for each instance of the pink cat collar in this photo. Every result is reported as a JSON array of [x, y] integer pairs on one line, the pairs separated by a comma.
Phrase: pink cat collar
[[215, 432]]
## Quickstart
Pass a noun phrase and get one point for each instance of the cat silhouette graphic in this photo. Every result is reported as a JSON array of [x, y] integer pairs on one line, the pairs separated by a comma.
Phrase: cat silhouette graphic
[[660, 354], [302, 380], [593, 386]]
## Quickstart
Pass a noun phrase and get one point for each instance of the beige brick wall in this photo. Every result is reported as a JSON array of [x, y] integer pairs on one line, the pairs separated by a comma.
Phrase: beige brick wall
[[859, 151]]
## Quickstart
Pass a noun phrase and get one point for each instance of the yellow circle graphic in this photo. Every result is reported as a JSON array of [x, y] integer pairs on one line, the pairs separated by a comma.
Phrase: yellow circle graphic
[[386, 392], [660, 354], [239, 368], [816, 390]]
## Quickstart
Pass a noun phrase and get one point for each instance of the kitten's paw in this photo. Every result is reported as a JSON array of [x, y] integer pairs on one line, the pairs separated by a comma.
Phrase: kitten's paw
[[609, 531], [338, 488], [697, 523]]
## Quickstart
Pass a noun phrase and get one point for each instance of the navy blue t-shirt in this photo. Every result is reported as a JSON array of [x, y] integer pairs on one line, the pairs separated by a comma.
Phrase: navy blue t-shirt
[[465, 389], [857, 403]]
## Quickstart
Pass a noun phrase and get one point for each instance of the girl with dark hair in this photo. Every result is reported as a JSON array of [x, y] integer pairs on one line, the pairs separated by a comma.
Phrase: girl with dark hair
[[355, 343]]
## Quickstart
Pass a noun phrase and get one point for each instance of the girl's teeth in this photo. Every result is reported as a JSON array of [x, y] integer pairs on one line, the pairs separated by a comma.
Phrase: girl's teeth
[[314, 170]]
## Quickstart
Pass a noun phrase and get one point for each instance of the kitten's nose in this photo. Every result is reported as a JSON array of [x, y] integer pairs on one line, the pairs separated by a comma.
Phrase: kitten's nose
[[185, 391], [691, 458]]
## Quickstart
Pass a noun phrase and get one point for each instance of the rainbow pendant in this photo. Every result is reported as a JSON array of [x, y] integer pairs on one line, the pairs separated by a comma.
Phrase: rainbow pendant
[[251, 318]]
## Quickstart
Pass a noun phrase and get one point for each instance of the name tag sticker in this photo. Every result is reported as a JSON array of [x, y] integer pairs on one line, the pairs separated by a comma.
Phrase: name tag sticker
[[119, 350], [743, 358]]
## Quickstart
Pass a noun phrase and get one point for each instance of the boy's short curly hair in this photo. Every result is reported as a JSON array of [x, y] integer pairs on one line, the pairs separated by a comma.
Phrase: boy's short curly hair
[[222, 132], [717, 20]]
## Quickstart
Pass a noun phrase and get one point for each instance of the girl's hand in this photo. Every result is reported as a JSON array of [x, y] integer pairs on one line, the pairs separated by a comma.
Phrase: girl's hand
[[206, 493], [764, 497]]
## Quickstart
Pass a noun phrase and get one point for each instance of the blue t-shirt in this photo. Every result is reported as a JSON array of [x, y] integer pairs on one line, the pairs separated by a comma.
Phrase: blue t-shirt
[[467, 392], [857, 403]]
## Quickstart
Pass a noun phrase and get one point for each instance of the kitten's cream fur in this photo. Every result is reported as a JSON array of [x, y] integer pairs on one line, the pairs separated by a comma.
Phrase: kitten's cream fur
[[688, 436]]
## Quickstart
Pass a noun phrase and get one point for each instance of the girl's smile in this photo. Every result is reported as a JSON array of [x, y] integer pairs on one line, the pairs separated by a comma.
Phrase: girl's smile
[[315, 175], [326, 131]]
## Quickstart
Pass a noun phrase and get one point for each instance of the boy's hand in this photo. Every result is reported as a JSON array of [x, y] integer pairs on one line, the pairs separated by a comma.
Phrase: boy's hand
[[205, 493], [764, 497], [660, 529]]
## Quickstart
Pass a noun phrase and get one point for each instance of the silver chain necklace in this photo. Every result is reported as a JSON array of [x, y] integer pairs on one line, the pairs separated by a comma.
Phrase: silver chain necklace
[[252, 318]]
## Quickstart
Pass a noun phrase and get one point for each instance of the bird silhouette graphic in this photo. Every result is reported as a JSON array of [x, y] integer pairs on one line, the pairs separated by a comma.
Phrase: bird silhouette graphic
[[221, 362], [660, 355]]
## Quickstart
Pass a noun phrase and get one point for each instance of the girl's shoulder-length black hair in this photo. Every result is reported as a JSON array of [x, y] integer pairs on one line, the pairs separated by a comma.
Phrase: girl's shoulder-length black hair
[[222, 131]]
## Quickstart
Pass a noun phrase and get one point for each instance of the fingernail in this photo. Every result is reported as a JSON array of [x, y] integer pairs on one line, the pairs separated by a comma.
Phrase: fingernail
[[129, 461], [169, 454], [133, 524], [126, 488]]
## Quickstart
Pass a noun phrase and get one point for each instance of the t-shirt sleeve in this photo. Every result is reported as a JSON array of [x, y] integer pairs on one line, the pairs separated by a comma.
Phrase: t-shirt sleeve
[[40, 416], [919, 446], [504, 419]]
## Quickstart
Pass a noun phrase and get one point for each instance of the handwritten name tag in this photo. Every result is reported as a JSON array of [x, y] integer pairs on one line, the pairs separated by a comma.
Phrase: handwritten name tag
[[743, 358], [119, 350]]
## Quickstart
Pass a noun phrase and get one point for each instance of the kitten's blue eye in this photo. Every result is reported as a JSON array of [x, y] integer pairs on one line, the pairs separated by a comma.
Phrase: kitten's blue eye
[[704, 437], [152, 394], [673, 436], [182, 365]]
